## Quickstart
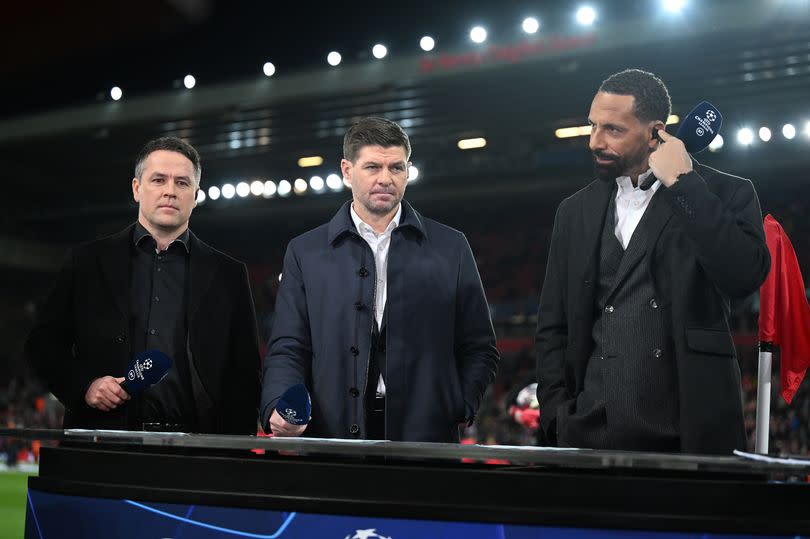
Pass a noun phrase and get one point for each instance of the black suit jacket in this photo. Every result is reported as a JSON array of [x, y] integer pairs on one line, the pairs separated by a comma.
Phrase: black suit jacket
[[706, 244], [83, 333]]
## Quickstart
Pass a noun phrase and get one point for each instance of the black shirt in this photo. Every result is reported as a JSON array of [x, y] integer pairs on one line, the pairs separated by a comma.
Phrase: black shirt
[[158, 318]]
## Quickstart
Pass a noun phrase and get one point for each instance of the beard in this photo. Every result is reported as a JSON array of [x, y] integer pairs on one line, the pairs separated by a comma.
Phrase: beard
[[379, 207], [619, 165]]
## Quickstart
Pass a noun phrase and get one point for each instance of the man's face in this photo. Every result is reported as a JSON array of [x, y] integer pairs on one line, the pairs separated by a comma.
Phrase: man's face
[[620, 143], [378, 178], [166, 192]]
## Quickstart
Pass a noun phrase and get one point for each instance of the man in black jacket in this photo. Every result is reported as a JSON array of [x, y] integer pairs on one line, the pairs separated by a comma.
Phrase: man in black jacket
[[633, 343], [154, 285]]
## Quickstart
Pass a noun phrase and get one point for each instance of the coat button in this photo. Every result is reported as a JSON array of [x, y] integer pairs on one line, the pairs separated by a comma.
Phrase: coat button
[[354, 392], [354, 429], [609, 309], [120, 339], [358, 305], [362, 272], [354, 350], [653, 303], [658, 353], [587, 282]]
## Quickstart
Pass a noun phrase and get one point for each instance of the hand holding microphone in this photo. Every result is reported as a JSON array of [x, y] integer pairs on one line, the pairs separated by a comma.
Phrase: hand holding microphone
[[671, 158], [292, 413], [146, 369]]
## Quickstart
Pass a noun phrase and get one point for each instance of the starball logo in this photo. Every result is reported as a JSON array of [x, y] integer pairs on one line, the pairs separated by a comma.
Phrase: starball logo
[[367, 534], [290, 415], [705, 123], [139, 368]]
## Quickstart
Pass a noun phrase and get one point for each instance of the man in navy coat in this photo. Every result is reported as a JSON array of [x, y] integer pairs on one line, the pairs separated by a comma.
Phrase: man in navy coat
[[380, 312]]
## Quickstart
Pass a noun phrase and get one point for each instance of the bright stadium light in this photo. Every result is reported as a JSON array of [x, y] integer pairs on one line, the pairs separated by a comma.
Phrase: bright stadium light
[[764, 134], [472, 143], [478, 34], [213, 192], [745, 136], [316, 183], [427, 43], [300, 186], [333, 58], [257, 188], [200, 196], [116, 93], [269, 69], [242, 189], [586, 15], [284, 188], [269, 189], [228, 190], [311, 161], [716, 144], [788, 131], [413, 173], [530, 25], [334, 182], [379, 51], [189, 81], [807, 129], [673, 6]]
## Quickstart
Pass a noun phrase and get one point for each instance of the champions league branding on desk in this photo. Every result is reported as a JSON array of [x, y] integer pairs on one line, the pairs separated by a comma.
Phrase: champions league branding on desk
[[129, 519], [146, 369]]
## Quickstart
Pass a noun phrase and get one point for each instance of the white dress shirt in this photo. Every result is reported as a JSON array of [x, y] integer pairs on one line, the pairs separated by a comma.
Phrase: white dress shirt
[[631, 203], [379, 244]]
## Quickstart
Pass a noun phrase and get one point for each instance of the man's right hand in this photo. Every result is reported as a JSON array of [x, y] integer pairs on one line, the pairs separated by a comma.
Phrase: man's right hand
[[281, 427], [106, 393]]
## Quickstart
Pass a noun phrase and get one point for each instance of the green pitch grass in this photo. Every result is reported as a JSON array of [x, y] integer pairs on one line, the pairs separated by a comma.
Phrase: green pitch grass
[[13, 486]]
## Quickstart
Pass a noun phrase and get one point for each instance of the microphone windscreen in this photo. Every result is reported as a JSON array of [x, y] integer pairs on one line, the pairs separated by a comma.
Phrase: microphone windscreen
[[295, 405], [145, 370], [699, 127]]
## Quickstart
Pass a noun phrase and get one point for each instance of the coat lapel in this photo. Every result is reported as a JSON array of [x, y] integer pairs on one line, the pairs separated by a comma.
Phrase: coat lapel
[[201, 272], [116, 268]]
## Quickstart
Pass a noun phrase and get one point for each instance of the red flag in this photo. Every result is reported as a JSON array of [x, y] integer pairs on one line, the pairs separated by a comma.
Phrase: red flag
[[784, 315]]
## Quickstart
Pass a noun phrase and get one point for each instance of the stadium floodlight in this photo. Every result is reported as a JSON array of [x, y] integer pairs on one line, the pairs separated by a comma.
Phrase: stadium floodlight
[[586, 15], [300, 186], [257, 188], [764, 134], [334, 182], [788, 131], [242, 189], [200, 196], [745, 136], [413, 173], [189, 81], [228, 190], [673, 6], [269, 69], [333, 58], [269, 189], [427, 43], [316, 183], [284, 188], [379, 51], [478, 34], [213, 192], [116, 93], [530, 25]]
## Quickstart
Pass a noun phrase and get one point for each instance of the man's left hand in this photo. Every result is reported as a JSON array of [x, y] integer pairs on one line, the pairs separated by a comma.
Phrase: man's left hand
[[670, 159]]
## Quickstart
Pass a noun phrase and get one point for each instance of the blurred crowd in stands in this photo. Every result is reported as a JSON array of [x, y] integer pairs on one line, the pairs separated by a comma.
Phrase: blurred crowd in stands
[[510, 251]]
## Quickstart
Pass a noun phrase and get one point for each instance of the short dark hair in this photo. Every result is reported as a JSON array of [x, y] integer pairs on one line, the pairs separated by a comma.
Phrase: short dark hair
[[374, 131], [652, 100], [170, 144]]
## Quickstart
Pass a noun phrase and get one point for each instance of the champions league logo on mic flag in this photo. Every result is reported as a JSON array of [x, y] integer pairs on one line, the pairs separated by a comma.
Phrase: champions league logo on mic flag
[[699, 127], [146, 369], [295, 405]]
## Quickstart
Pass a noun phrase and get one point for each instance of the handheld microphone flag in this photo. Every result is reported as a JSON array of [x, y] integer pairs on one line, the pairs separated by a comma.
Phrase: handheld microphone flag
[[295, 405], [699, 127], [146, 369], [697, 130]]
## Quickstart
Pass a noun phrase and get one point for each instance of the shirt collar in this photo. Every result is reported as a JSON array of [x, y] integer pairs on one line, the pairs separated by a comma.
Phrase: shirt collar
[[627, 188], [140, 232], [363, 227]]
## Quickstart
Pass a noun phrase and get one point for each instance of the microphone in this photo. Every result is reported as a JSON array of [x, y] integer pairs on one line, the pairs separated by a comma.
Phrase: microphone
[[697, 130], [146, 369], [295, 405]]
